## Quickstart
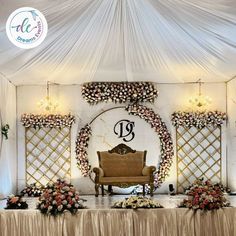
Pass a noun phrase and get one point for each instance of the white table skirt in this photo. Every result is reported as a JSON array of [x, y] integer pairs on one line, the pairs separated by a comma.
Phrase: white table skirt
[[115, 222]]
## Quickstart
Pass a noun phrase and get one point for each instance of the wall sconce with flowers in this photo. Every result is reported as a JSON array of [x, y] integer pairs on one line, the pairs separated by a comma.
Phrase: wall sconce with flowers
[[200, 101], [48, 105]]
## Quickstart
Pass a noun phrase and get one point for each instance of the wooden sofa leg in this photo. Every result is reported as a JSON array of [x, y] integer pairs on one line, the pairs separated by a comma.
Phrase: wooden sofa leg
[[96, 190], [144, 190], [110, 189], [103, 190], [151, 189]]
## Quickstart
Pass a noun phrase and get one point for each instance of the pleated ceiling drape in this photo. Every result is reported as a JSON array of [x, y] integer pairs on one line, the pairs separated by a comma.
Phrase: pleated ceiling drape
[[160, 41]]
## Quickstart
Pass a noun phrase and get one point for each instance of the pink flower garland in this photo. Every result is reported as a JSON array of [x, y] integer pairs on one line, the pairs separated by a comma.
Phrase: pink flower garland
[[47, 121], [81, 149], [167, 149], [119, 92], [198, 119]]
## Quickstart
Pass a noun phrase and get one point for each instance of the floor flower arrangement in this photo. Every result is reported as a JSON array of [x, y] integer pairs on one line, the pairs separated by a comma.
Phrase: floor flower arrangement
[[58, 198], [32, 190], [205, 195], [135, 202], [16, 202]]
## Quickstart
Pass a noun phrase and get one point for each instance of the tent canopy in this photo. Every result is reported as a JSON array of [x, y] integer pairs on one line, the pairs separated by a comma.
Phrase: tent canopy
[[167, 41]]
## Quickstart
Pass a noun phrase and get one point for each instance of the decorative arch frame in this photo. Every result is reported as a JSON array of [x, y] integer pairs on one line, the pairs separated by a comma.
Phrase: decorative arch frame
[[155, 121]]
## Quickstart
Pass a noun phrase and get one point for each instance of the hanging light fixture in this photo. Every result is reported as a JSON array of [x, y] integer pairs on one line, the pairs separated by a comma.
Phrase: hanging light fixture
[[48, 104], [200, 101]]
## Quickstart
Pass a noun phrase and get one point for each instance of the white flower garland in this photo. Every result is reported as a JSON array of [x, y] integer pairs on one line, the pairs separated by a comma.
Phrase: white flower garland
[[119, 92], [135, 202], [81, 149], [167, 148], [47, 121], [198, 119]]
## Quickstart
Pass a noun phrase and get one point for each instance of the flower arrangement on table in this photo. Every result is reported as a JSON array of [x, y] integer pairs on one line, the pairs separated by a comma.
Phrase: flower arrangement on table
[[16, 202], [33, 190], [58, 198], [205, 195], [135, 202]]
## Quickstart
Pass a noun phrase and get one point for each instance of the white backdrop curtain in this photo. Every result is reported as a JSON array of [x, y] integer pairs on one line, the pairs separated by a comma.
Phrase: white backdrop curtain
[[7, 147], [164, 41]]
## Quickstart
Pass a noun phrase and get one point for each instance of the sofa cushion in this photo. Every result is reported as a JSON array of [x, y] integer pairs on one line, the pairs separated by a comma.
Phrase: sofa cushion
[[133, 179], [115, 165]]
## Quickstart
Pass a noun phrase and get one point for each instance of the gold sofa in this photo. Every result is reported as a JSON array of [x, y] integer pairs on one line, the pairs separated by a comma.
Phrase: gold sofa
[[123, 167]]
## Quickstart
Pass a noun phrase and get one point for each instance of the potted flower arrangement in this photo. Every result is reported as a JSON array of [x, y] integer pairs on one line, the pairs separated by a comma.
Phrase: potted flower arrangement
[[205, 195], [16, 202], [58, 198], [135, 202], [33, 190]]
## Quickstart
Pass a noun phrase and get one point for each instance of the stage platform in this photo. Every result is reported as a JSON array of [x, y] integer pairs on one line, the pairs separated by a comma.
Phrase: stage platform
[[100, 219]]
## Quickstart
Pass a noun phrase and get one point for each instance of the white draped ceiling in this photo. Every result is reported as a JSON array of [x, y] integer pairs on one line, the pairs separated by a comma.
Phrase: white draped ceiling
[[131, 40]]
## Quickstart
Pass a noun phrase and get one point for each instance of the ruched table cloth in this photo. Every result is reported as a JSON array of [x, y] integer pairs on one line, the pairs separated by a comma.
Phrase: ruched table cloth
[[119, 222]]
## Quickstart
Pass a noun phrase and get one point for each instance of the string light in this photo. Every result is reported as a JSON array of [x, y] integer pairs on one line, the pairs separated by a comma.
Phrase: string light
[[200, 101], [48, 104]]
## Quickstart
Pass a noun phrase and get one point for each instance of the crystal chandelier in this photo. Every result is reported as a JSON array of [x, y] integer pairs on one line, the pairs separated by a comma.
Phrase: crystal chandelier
[[48, 104], [200, 101]]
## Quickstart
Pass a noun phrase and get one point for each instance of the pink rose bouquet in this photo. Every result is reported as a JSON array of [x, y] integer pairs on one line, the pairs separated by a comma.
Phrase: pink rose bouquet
[[16, 202], [59, 197], [205, 196]]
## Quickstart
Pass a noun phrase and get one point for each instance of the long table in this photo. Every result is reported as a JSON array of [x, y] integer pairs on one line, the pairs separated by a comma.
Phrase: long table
[[119, 222]]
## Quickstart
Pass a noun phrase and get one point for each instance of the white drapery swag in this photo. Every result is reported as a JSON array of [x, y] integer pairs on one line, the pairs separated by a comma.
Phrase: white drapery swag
[[164, 41], [5, 153]]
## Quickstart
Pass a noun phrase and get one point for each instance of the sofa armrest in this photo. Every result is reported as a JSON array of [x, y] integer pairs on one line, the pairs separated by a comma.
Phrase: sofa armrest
[[148, 170], [98, 171]]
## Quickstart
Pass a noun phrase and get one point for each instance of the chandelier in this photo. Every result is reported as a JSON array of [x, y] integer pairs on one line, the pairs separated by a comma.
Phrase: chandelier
[[47, 104], [200, 101]]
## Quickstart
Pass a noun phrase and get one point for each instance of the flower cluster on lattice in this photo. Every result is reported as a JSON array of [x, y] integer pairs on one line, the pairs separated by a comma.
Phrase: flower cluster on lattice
[[198, 119], [48, 121], [119, 92]]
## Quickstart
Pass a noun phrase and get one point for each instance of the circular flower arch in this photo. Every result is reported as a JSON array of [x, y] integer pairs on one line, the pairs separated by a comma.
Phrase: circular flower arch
[[167, 148]]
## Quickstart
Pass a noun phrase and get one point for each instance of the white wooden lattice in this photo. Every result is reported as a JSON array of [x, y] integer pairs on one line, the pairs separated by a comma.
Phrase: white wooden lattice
[[48, 155], [198, 155]]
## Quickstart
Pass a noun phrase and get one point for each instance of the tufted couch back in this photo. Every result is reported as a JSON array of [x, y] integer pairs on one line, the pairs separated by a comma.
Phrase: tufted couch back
[[117, 165]]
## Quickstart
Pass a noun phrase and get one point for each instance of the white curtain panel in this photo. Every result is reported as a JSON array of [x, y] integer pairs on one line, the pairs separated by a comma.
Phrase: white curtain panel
[[7, 147], [160, 41]]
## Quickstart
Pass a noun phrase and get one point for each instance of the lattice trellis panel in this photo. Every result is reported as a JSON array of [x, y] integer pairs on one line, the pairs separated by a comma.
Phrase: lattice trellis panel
[[198, 155], [48, 154]]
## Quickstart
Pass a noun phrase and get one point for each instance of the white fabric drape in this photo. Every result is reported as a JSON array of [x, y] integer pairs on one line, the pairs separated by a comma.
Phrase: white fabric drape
[[119, 222], [7, 147], [160, 41]]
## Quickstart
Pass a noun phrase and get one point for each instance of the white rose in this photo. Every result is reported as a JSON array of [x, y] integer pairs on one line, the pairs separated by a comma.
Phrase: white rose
[[69, 206], [64, 202], [60, 208]]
